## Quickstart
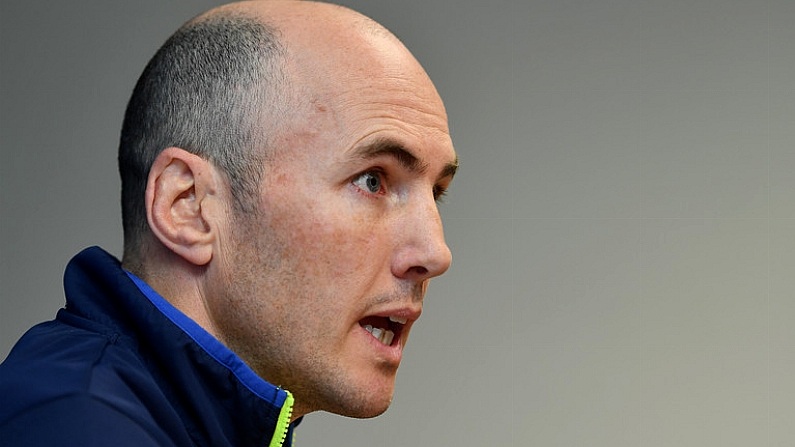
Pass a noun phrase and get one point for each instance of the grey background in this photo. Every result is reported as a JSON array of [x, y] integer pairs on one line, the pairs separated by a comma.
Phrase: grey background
[[623, 224]]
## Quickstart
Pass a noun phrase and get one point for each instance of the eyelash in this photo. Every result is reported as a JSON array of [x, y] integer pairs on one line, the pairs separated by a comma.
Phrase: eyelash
[[439, 194]]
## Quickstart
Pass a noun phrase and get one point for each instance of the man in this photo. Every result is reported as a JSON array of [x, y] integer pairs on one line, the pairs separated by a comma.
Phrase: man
[[280, 166]]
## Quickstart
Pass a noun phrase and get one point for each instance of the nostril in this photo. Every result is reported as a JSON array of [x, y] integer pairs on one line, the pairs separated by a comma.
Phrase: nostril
[[420, 270]]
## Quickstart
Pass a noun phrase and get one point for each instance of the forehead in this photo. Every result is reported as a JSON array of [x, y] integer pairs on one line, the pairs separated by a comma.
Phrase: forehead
[[365, 85]]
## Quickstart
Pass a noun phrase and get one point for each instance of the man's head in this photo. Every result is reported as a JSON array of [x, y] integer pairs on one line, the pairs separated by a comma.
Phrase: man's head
[[326, 236]]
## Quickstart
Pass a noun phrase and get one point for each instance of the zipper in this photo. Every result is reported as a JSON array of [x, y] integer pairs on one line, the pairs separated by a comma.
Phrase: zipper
[[283, 424]]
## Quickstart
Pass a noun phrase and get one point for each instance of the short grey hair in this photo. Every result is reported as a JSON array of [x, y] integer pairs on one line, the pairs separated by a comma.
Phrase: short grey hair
[[213, 89]]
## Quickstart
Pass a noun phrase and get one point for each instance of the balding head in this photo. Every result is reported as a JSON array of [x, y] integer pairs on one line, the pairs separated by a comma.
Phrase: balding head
[[334, 55], [231, 81]]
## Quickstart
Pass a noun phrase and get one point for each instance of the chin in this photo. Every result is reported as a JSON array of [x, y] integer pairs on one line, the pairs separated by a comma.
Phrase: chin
[[367, 411], [367, 405]]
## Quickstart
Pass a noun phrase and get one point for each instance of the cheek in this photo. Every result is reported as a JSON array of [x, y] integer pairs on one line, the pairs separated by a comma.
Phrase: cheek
[[338, 244], [347, 245]]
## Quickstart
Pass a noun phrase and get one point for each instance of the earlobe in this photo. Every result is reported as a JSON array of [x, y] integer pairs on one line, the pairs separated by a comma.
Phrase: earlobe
[[178, 188]]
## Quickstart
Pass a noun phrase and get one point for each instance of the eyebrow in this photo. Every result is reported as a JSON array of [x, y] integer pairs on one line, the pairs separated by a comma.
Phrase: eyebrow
[[404, 156]]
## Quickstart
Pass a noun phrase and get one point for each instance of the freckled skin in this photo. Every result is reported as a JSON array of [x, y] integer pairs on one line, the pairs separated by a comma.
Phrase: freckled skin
[[287, 287]]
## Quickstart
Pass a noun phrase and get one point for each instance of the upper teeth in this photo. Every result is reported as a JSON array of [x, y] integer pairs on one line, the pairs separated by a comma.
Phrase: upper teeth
[[398, 320], [385, 336]]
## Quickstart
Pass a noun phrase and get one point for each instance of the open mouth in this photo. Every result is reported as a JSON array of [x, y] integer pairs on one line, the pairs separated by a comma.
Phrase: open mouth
[[387, 330]]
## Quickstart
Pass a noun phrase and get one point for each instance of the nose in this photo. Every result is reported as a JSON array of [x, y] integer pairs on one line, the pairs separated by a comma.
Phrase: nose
[[421, 251]]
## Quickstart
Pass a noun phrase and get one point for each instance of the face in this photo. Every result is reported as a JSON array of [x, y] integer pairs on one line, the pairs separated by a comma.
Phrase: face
[[319, 291]]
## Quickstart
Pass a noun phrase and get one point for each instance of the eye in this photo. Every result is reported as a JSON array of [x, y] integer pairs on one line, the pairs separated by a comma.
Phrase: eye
[[370, 182]]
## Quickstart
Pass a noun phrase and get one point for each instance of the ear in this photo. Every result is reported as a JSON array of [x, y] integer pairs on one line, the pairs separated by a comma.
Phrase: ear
[[178, 190]]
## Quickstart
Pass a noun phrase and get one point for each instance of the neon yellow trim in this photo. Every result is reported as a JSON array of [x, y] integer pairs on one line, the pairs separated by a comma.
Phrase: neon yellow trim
[[284, 421]]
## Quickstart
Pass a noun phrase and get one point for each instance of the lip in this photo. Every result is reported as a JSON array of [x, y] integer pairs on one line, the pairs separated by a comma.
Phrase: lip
[[411, 314], [391, 355], [394, 353]]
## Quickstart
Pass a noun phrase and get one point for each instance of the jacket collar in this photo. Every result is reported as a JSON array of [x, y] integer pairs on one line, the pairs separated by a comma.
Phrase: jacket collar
[[218, 397]]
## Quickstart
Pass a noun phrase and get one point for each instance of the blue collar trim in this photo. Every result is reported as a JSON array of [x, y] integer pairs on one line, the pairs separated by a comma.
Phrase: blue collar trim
[[212, 346]]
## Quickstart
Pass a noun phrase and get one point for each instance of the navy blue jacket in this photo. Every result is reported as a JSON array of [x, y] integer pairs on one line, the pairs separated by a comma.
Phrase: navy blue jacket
[[120, 366]]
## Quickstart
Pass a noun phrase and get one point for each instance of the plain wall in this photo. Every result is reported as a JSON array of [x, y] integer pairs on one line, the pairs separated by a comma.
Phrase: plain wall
[[622, 225]]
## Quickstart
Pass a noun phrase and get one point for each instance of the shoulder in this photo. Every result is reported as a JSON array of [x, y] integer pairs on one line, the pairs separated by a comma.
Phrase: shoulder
[[64, 385], [78, 420], [50, 361]]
